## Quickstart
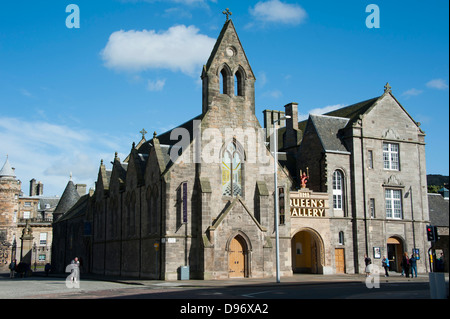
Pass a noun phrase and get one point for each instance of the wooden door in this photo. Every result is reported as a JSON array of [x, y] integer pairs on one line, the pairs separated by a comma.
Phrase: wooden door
[[236, 260], [339, 260]]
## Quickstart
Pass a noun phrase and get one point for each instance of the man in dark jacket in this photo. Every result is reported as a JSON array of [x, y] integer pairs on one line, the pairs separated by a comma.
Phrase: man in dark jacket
[[12, 268]]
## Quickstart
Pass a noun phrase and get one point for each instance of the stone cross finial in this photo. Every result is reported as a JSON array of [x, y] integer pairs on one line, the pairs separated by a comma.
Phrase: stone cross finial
[[387, 88], [227, 12], [143, 132]]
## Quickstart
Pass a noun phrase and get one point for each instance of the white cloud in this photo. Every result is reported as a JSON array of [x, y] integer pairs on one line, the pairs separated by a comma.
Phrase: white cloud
[[49, 152], [320, 110], [26, 93], [412, 92], [437, 84], [157, 85], [180, 48], [273, 94], [279, 12]]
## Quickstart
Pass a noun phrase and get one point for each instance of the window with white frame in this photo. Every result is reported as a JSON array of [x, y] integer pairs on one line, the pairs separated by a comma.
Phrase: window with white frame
[[43, 239], [338, 188], [27, 215], [393, 199], [391, 156]]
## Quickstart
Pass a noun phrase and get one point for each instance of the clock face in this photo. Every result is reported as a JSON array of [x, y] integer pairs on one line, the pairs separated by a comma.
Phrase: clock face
[[230, 51]]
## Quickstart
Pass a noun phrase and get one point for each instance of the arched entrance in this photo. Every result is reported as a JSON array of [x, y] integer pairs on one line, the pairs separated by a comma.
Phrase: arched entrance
[[307, 252], [237, 258], [395, 250]]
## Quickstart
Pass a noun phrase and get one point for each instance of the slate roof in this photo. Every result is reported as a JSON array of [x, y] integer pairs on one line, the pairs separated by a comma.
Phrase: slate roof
[[438, 208], [77, 210], [7, 170], [352, 112], [327, 128], [69, 197]]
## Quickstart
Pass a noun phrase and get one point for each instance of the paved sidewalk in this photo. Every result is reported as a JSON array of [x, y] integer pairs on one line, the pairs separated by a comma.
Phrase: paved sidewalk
[[295, 279]]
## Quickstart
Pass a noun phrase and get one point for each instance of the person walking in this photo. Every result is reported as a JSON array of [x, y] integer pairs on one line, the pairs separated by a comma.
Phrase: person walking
[[368, 263], [413, 265], [405, 265], [12, 268], [385, 263]]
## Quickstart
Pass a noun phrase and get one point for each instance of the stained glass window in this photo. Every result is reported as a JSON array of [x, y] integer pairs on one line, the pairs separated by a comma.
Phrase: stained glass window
[[231, 171]]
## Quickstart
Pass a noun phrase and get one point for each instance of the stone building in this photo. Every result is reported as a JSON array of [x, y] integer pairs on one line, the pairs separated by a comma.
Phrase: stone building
[[10, 189], [201, 197], [369, 160], [171, 204], [22, 214]]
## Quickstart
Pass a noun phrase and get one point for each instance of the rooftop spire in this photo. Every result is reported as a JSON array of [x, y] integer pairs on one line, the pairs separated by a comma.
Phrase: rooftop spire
[[7, 170]]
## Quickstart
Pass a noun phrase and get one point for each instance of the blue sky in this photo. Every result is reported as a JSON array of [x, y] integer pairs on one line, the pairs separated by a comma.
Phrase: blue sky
[[70, 97]]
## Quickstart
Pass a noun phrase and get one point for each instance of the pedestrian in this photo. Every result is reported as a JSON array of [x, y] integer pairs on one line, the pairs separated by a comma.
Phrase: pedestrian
[[405, 265], [413, 265], [75, 261], [368, 263], [47, 269], [12, 268], [440, 267], [385, 263]]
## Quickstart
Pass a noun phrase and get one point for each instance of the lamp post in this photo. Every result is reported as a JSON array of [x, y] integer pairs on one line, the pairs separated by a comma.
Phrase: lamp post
[[35, 253], [275, 174]]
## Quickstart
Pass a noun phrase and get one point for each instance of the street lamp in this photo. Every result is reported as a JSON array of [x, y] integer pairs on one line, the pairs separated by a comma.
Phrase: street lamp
[[35, 253], [275, 174]]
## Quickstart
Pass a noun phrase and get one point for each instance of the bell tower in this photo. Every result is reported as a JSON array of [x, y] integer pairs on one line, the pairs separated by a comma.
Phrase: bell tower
[[227, 76]]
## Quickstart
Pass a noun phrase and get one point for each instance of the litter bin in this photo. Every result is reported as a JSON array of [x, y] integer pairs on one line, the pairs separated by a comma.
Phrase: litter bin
[[184, 273]]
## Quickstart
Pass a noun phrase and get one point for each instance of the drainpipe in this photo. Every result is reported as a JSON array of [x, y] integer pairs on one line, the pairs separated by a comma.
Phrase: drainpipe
[[364, 190]]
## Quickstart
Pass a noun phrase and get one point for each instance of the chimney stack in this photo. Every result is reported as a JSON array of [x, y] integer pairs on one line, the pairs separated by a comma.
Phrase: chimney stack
[[292, 134], [81, 189]]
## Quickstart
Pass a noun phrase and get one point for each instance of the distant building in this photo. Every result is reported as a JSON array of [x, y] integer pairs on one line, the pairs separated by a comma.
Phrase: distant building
[[439, 217], [17, 212]]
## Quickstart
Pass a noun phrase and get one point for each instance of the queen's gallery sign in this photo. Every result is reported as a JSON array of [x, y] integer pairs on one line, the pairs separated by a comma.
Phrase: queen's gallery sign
[[305, 203]]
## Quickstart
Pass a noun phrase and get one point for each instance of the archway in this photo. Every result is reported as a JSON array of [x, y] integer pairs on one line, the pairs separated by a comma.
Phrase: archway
[[238, 257], [395, 249], [307, 252]]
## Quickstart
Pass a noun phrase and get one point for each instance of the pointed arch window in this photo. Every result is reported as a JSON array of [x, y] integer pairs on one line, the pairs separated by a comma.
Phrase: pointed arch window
[[232, 160], [239, 83], [225, 77]]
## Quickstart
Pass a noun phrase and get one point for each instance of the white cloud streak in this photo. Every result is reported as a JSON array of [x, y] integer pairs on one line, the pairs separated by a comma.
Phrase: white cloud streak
[[278, 12], [179, 49], [157, 85], [412, 92], [320, 110], [49, 152], [439, 84]]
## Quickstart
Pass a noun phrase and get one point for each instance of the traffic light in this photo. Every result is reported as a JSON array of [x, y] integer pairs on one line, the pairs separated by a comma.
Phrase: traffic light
[[436, 235], [431, 233]]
